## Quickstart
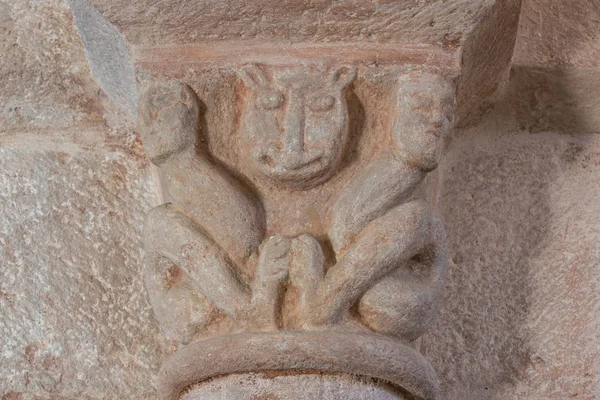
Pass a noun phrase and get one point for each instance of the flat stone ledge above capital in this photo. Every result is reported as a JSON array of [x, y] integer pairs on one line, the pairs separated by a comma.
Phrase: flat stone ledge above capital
[[473, 39]]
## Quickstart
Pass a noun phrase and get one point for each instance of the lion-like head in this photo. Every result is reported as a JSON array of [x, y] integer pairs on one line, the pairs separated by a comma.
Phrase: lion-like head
[[294, 124]]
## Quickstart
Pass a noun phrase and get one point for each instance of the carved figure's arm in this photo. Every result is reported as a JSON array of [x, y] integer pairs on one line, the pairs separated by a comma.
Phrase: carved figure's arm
[[223, 206], [197, 245], [402, 233], [386, 182]]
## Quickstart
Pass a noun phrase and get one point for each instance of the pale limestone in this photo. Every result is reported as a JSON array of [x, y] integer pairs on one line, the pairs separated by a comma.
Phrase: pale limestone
[[521, 315], [149, 22], [74, 318], [45, 82], [246, 301], [103, 42], [472, 40], [292, 387], [526, 233], [559, 34]]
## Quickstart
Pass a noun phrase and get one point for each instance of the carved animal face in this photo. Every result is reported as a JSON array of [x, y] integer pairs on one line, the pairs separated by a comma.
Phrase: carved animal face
[[295, 123]]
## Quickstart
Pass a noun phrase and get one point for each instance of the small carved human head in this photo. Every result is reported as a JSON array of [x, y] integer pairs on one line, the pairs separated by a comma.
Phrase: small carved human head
[[425, 105], [294, 125], [169, 116]]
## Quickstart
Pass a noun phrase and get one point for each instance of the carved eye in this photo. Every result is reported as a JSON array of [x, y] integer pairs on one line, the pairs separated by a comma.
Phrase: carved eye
[[270, 100], [322, 102]]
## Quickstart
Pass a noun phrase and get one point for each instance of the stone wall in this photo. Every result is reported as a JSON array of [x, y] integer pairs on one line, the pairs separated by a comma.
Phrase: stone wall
[[522, 212], [519, 195], [74, 188]]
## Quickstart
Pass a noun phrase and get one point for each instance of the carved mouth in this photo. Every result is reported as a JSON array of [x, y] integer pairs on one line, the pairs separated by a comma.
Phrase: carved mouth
[[288, 163], [294, 166], [297, 169]]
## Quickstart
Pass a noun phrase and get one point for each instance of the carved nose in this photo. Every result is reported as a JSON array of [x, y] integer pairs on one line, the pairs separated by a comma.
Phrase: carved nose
[[293, 135]]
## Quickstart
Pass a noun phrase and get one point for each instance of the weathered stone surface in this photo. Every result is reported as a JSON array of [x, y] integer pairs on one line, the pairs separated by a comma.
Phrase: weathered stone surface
[[150, 22], [559, 34], [74, 319], [470, 38], [563, 100], [45, 80], [103, 42], [485, 61], [292, 387], [555, 80], [521, 318], [329, 351], [211, 269]]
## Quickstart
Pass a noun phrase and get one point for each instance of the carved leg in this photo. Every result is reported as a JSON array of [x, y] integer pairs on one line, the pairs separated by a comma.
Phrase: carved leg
[[179, 306], [171, 235], [405, 303], [386, 243]]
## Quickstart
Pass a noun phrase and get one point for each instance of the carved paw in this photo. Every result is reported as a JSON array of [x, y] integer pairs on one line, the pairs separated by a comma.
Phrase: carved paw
[[273, 260], [306, 274], [271, 273]]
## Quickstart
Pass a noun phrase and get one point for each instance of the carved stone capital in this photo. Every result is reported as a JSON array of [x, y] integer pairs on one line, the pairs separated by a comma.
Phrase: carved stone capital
[[298, 234], [245, 297]]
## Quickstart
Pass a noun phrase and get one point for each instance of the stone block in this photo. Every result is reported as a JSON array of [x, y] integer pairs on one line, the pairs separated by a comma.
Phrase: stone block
[[74, 318], [151, 23], [45, 82], [471, 41]]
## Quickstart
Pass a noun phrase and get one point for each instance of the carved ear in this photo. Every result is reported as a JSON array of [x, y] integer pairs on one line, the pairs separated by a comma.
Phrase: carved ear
[[185, 93], [253, 76], [344, 76]]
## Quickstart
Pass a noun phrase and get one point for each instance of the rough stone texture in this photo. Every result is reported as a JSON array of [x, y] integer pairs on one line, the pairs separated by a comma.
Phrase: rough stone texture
[[562, 100], [103, 42], [74, 318], [291, 387], [206, 245], [45, 81], [557, 34], [150, 22], [485, 61], [521, 318], [329, 350], [471, 38], [556, 66], [521, 315]]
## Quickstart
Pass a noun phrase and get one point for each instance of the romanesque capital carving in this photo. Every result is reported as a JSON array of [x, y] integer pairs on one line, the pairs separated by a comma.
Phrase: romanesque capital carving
[[240, 296]]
